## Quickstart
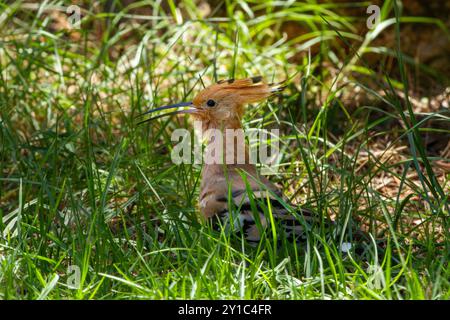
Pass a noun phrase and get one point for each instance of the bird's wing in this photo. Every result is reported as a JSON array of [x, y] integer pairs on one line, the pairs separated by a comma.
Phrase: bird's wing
[[252, 211], [249, 206]]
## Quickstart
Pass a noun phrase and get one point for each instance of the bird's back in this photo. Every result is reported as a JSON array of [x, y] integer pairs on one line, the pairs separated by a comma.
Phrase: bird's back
[[240, 199]]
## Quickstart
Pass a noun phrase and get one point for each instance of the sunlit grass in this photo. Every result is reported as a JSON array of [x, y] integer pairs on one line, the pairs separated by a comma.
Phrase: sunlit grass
[[81, 185]]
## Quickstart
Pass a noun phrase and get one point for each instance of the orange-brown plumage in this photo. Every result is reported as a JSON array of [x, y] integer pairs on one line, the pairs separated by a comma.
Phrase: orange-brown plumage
[[230, 97]]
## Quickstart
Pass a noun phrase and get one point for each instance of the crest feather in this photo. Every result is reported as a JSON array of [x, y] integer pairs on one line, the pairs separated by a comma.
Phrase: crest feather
[[251, 86], [243, 91], [232, 83]]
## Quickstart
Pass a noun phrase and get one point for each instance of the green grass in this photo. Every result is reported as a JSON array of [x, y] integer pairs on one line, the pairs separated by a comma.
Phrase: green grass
[[81, 185]]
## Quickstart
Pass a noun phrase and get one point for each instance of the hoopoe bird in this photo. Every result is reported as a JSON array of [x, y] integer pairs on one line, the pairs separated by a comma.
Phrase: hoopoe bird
[[234, 194]]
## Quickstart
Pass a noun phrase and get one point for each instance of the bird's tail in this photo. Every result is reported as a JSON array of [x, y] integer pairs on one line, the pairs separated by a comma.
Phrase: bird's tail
[[252, 217]]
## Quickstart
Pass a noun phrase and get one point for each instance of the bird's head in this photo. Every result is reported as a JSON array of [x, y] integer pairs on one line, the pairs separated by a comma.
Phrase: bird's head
[[222, 104]]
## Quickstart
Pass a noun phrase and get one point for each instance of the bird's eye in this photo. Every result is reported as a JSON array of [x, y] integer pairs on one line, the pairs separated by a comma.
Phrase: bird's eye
[[210, 103]]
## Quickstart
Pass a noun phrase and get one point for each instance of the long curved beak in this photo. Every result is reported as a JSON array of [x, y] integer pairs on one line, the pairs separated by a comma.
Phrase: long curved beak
[[172, 106]]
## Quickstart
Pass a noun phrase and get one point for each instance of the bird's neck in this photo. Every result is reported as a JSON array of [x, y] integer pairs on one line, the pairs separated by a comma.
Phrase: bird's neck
[[226, 148]]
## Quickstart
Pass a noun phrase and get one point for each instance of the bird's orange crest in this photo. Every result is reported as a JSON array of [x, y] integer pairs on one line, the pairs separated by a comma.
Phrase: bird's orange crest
[[233, 92], [224, 101]]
